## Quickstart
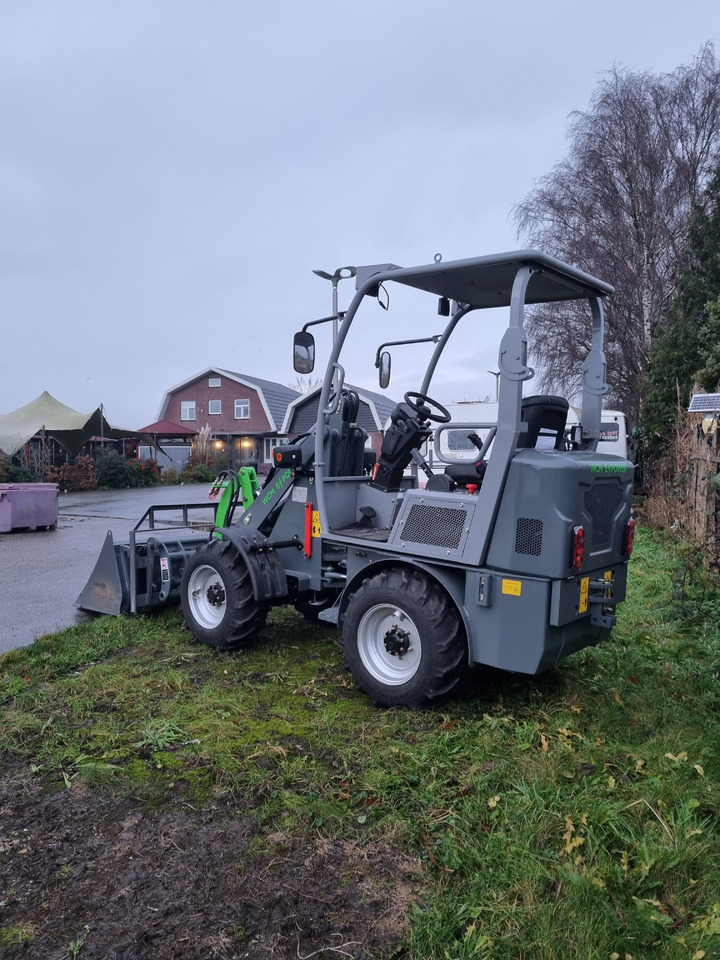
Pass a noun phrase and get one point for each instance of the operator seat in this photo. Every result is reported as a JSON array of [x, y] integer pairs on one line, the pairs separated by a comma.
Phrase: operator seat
[[348, 454], [546, 417]]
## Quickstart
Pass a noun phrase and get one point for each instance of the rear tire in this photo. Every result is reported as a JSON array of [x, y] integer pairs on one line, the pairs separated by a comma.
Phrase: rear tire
[[404, 640], [217, 597]]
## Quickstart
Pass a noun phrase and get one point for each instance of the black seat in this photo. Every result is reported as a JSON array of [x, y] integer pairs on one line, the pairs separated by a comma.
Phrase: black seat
[[458, 475], [546, 417]]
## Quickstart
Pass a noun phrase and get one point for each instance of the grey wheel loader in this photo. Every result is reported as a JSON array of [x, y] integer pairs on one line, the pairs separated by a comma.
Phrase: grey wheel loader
[[515, 559]]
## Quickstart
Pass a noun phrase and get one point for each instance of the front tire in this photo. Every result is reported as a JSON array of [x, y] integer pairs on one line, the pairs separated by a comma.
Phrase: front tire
[[404, 640], [217, 597]]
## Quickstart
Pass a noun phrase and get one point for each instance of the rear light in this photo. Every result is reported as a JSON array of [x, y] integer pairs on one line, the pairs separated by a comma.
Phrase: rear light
[[577, 547], [629, 538]]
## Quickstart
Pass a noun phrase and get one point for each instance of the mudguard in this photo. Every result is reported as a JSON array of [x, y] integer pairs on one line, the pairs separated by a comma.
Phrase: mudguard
[[266, 570]]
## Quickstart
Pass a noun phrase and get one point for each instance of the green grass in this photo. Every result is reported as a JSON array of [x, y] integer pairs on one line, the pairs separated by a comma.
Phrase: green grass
[[572, 815]]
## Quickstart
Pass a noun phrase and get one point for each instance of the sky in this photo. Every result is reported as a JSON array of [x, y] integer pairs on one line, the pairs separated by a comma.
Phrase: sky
[[172, 171]]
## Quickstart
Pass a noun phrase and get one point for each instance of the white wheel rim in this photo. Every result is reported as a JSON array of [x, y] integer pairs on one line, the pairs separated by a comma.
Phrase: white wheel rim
[[206, 614], [384, 626]]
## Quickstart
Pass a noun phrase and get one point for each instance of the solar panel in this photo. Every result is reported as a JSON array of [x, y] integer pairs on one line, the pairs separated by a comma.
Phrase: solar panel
[[704, 403]]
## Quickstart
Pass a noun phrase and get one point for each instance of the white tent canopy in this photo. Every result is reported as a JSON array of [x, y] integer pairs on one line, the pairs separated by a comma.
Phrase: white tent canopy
[[69, 428]]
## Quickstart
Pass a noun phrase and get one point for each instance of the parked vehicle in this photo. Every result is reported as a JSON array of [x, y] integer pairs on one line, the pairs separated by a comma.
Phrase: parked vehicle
[[467, 416], [516, 558]]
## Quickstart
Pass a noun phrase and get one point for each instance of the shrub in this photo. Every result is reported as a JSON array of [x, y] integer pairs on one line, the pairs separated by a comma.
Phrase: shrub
[[202, 474], [73, 476], [12, 473], [170, 475], [112, 470], [143, 473]]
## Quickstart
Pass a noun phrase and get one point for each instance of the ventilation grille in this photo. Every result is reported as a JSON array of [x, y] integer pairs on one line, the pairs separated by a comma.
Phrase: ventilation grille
[[528, 536], [601, 503], [434, 526]]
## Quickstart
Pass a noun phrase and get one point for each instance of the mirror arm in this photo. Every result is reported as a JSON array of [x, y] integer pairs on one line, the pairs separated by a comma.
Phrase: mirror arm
[[399, 343], [312, 323]]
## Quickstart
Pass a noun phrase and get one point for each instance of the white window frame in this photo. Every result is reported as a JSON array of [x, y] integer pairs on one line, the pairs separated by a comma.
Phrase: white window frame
[[214, 382], [241, 416], [268, 444], [188, 410], [211, 404]]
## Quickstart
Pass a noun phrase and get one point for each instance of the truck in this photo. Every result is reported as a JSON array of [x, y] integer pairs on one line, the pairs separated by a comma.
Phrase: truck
[[514, 559], [465, 416]]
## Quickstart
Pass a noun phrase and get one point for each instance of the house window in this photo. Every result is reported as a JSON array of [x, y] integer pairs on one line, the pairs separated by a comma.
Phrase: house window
[[187, 409], [268, 444], [214, 381], [214, 406], [242, 409]]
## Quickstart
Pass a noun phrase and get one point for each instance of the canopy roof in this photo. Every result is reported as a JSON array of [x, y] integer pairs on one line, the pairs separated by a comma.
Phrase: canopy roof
[[488, 281], [70, 429]]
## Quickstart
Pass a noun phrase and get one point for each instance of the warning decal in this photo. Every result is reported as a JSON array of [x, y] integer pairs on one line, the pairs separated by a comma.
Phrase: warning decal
[[584, 593], [316, 531], [512, 587]]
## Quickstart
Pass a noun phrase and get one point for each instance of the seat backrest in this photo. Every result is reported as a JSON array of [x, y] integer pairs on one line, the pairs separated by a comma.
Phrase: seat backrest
[[546, 417]]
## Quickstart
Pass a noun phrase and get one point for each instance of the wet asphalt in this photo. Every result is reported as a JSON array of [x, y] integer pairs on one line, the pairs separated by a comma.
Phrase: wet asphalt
[[42, 572]]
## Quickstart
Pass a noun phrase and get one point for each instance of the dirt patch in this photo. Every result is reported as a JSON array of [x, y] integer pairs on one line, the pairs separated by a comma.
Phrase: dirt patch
[[83, 870]]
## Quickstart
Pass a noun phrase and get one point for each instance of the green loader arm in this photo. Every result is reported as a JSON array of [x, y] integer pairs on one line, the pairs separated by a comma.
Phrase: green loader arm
[[242, 485]]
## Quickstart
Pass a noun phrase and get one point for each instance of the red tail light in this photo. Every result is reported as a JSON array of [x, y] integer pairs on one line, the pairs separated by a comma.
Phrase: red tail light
[[577, 547], [629, 538]]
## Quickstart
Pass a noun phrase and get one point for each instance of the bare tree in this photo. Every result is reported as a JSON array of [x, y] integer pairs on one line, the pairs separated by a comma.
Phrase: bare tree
[[305, 384], [620, 207]]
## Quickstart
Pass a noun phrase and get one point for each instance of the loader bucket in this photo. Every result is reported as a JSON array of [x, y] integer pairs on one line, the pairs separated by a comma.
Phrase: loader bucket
[[108, 589]]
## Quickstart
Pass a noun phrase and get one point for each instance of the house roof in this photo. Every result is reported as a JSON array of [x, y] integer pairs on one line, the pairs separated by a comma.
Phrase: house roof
[[375, 410], [274, 397]]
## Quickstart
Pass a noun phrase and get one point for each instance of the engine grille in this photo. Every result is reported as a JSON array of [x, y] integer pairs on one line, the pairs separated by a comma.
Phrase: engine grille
[[601, 503], [528, 536], [434, 526]]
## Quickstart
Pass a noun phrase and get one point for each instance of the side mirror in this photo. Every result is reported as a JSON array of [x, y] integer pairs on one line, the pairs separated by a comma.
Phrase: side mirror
[[385, 364], [304, 352]]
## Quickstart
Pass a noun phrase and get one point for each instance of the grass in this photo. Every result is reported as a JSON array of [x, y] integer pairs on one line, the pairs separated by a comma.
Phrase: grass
[[572, 815]]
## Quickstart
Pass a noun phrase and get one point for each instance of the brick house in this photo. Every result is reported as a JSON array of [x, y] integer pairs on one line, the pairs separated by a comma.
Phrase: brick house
[[245, 413]]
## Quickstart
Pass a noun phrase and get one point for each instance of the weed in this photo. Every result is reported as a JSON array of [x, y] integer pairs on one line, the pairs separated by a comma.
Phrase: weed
[[15, 936]]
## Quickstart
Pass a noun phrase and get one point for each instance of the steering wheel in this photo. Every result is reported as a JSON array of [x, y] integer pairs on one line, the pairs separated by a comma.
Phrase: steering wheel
[[426, 408]]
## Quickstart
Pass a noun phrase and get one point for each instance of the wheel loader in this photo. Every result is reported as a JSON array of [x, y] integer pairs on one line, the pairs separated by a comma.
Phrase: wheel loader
[[514, 559]]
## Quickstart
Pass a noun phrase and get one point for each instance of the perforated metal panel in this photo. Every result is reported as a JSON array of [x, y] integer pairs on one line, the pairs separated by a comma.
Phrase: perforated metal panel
[[528, 536], [434, 526], [601, 502]]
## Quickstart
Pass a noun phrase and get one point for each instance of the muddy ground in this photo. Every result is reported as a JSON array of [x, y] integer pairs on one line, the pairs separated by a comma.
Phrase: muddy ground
[[85, 873]]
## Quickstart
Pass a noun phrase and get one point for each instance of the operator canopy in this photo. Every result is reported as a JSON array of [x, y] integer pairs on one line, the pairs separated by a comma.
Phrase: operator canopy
[[488, 281]]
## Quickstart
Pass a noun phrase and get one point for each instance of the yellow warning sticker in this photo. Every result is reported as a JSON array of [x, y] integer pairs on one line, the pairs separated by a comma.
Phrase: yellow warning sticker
[[512, 587], [316, 531], [584, 594]]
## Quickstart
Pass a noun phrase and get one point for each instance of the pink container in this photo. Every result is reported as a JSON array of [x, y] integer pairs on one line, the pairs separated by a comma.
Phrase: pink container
[[28, 506]]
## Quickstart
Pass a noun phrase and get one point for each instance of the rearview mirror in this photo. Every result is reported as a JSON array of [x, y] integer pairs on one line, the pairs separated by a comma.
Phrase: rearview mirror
[[385, 364], [304, 352]]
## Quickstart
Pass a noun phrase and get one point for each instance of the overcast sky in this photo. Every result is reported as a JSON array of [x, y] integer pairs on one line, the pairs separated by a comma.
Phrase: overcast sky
[[173, 170]]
